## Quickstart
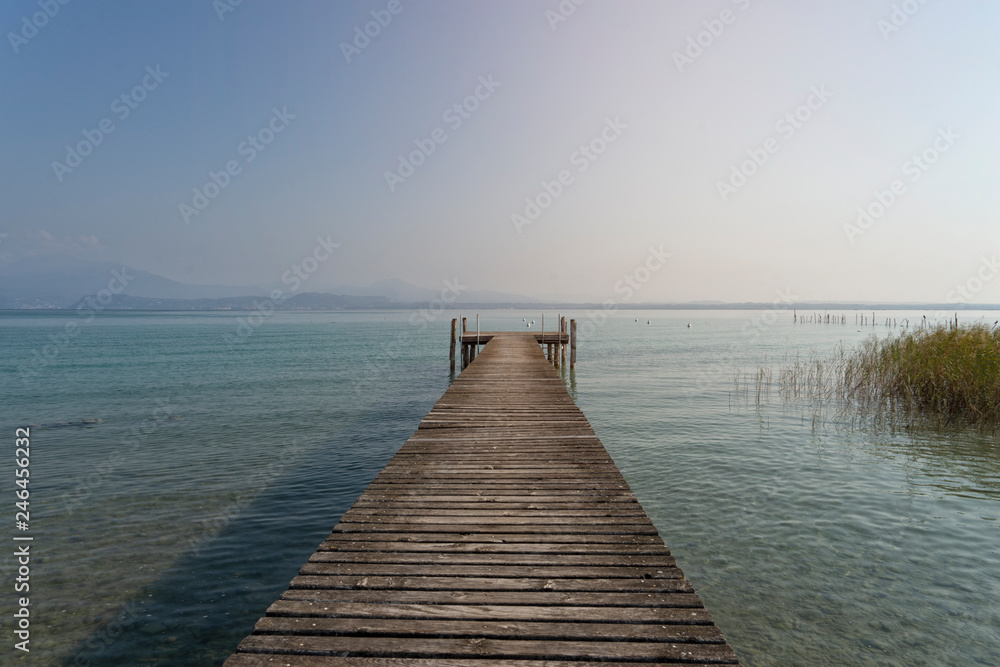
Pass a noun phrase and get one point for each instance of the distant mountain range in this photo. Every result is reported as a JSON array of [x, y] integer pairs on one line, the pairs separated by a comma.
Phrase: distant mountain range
[[63, 282], [403, 292], [57, 281], [305, 301]]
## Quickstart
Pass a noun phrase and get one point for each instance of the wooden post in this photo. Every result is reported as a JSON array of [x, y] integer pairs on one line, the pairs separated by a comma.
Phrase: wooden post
[[559, 345], [451, 353], [572, 343], [557, 350], [472, 353], [562, 346], [463, 326]]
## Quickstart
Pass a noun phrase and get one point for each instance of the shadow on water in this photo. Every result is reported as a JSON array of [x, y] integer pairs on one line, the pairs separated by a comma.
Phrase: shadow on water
[[197, 612]]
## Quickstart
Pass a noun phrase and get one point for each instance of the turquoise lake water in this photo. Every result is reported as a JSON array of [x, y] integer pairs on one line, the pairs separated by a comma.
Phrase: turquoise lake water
[[163, 531]]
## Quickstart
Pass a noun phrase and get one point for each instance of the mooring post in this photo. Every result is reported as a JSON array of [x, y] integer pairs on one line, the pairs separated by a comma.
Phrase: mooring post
[[562, 346], [558, 339], [451, 352], [558, 344], [465, 348], [572, 343]]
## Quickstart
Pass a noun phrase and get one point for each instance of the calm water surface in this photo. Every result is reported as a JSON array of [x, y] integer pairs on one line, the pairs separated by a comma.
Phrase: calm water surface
[[163, 531]]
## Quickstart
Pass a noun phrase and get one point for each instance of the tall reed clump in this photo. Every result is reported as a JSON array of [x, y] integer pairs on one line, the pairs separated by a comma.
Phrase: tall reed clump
[[949, 374]]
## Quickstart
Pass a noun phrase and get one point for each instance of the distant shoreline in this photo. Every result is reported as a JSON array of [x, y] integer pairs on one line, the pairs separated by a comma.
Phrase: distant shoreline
[[246, 304]]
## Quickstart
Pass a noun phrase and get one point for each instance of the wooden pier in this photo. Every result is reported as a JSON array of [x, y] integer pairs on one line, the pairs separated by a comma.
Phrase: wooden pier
[[557, 343], [501, 533]]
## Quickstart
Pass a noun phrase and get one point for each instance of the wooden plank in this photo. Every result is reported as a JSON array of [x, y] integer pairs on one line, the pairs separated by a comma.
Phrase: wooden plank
[[496, 538], [517, 559], [435, 569], [480, 647], [522, 630], [286, 660], [501, 548], [483, 520], [487, 612], [664, 593], [494, 584], [521, 509], [472, 527]]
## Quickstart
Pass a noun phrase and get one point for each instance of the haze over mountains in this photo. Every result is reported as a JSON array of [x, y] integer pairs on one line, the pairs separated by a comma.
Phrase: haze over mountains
[[66, 282], [62, 281]]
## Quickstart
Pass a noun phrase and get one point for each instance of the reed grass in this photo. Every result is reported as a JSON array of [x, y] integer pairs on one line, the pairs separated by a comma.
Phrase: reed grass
[[947, 376], [947, 373]]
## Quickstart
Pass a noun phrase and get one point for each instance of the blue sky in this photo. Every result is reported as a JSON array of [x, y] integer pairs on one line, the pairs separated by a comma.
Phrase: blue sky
[[555, 86]]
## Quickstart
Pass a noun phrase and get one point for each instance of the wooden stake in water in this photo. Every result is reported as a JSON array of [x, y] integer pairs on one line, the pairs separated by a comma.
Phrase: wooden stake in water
[[572, 343], [451, 353]]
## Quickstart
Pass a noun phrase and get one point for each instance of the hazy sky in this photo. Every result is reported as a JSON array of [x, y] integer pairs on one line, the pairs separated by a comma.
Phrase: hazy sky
[[832, 99]]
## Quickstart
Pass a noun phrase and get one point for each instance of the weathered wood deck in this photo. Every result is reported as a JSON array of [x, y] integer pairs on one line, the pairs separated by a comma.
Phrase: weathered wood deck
[[501, 533], [484, 337]]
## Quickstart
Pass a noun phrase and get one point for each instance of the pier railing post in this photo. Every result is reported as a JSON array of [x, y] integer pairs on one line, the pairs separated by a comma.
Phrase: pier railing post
[[451, 353], [572, 343]]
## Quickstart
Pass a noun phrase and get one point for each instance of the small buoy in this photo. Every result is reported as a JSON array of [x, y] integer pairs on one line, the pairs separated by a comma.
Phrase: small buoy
[[637, 319], [648, 322]]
